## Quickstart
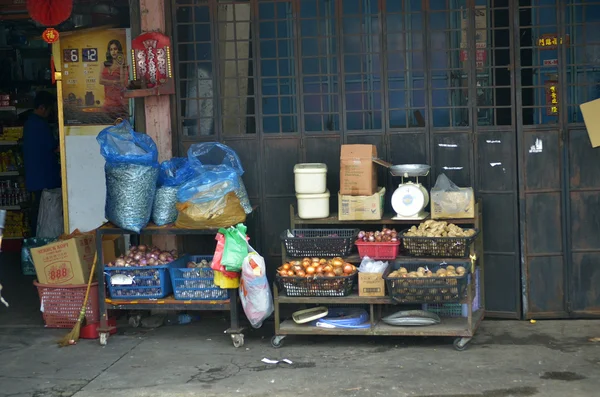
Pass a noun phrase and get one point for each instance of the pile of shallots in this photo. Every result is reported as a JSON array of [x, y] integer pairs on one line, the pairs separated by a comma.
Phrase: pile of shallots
[[143, 255]]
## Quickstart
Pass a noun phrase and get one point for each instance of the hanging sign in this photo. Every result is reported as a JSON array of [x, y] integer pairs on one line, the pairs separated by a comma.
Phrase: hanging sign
[[551, 97], [551, 41], [95, 75], [50, 35], [153, 64]]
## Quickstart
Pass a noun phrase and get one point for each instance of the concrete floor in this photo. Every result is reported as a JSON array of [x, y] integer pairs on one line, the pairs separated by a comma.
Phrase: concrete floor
[[507, 358]]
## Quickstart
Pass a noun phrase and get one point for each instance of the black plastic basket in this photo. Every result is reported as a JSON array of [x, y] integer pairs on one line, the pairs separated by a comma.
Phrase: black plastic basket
[[319, 242], [428, 289], [316, 286], [438, 247]]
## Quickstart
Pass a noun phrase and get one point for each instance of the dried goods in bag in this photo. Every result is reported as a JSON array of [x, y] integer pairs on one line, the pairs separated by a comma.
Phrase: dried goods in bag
[[173, 173], [222, 212], [215, 156], [131, 172]]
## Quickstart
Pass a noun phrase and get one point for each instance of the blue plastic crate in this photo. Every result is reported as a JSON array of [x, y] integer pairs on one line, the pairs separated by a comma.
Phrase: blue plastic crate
[[149, 282], [196, 283]]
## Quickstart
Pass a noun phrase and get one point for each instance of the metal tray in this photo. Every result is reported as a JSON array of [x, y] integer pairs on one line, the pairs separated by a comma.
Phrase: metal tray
[[410, 170]]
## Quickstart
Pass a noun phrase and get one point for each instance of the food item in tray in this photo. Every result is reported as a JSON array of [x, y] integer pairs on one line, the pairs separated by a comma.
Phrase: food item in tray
[[384, 236], [431, 228], [199, 265], [143, 255], [421, 272], [317, 268]]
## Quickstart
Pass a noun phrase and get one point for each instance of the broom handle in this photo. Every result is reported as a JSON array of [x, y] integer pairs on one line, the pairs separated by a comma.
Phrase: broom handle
[[87, 291]]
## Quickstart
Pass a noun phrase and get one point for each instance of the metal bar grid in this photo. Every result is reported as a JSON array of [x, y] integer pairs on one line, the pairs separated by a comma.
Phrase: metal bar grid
[[278, 78], [194, 51], [582, 56], [318, 47]]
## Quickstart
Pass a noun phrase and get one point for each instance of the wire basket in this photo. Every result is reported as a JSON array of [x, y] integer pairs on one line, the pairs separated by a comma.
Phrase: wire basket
[[428, 289], [149, 282], [438, 247], [387, 250], [196, 283], [455, 309], [319, 287], [319, 242], [61, 304]]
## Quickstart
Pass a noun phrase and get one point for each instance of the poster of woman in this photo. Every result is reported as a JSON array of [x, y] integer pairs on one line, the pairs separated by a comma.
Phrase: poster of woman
[[95, 68], [114, 77]]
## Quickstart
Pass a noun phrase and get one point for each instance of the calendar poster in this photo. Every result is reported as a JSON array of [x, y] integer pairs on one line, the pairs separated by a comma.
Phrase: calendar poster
[[95, 73]]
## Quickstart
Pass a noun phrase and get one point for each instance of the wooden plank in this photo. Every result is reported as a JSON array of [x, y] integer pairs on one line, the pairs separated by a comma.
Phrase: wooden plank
[[352, 299]]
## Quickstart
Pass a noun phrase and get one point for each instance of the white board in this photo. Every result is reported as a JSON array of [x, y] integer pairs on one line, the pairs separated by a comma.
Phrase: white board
[[86, 185]]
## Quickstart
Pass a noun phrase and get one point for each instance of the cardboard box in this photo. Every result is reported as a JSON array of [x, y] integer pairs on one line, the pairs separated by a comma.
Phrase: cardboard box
[[371, 284], [65, 262], [591, 117], [358, 171], [361, 208], [453, 205], [112, 247]]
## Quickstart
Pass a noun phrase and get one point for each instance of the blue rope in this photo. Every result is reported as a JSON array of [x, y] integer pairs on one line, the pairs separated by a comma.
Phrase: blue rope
[[344, 318]]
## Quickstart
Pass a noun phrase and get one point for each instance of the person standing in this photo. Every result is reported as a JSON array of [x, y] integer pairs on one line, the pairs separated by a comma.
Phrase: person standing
[[40, 148]]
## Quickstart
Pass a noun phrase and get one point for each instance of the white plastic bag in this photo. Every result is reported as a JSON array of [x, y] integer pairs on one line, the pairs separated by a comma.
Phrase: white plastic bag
[[255, 293], [50, 216]]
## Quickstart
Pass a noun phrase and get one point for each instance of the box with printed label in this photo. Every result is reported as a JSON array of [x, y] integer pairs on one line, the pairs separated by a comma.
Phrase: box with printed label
[[358, 170], [65, 262], [361, 208], [371, 284]]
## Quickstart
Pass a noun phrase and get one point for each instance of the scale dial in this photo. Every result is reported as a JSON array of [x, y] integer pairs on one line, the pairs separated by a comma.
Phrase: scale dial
[[410, 199]]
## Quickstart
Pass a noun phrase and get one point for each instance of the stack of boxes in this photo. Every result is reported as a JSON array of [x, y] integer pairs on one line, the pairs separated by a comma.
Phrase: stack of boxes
[[360, 198], [311, 190]]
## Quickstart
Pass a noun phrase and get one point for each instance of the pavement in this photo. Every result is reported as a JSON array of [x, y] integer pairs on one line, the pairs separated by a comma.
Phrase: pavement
[[505, 359]]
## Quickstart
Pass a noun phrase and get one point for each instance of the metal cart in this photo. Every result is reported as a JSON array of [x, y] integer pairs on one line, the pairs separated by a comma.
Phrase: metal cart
[[168, 303]]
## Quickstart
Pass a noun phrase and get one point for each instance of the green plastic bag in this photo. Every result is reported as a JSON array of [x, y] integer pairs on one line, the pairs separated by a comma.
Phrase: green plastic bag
[[236, 247]]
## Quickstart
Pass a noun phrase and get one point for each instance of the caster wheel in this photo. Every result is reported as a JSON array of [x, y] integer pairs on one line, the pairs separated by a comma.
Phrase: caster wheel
[[238, 340], [104, 338], [461, 344], [277, 341]]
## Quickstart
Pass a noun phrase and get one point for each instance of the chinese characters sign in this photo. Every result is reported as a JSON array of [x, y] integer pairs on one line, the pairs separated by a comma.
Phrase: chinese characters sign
[[551, 41], [552, 97], [50, 35]]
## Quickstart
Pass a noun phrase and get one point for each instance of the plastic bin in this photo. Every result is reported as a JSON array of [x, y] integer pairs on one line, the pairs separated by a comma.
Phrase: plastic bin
[[455, 309], [60, 305], [310, 178], [378, 251], [196, 283], [313, 206], [321, 287], [149, 282]]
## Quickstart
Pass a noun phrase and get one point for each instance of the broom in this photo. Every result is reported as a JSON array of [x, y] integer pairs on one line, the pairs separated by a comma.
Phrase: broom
[[72, 337]]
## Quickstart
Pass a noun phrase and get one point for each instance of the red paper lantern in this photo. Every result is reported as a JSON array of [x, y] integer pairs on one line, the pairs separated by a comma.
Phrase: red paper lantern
[[50, 12]]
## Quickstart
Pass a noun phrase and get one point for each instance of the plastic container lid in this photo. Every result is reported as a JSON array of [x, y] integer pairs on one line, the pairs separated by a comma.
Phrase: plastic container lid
[[310, 168], [313, 196]]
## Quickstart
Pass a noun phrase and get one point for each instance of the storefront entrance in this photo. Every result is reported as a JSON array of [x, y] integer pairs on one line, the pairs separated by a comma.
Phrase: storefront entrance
[[475, 88]]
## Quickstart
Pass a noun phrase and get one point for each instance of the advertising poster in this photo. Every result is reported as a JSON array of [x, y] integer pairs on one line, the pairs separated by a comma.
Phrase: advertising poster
[[95, 73]]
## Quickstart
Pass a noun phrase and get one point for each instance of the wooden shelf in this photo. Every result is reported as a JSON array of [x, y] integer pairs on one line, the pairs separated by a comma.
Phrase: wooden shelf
[[167, 88], [451, 327], [168, 303], [352, 299]]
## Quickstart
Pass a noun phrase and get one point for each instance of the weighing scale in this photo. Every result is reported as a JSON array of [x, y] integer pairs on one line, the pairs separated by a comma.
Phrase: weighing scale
[[410, 198]]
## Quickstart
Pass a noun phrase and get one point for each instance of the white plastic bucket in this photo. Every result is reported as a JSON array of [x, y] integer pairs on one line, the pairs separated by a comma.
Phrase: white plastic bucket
[[313, 206], [310, 178]]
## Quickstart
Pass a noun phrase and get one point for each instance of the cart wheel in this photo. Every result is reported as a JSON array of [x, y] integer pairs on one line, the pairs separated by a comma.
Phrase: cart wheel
[[460, 344], [238, 340], [104, 338], [277, 341]]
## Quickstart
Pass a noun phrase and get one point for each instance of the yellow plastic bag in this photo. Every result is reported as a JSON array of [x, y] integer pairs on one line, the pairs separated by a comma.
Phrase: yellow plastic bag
[[223, 212]]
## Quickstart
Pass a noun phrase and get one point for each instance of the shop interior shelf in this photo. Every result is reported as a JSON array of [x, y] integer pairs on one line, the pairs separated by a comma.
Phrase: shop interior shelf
[[451, 327]]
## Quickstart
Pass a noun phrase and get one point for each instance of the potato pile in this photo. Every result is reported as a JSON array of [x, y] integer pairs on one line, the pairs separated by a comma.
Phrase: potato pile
[[317, 268], [431, 228], [424, 272]]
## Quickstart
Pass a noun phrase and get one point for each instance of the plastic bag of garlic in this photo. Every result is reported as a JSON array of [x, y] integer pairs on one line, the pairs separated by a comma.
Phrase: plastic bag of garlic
[[131, 172]]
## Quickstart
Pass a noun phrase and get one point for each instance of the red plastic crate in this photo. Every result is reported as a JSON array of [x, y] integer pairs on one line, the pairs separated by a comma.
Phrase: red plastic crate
[[378, 250], [61, 304]]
